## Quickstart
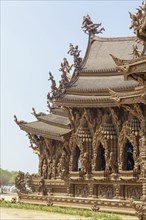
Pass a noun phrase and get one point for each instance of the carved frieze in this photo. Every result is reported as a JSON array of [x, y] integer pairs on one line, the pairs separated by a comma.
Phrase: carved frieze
[[105, 191], [134, 192], [81, 190]]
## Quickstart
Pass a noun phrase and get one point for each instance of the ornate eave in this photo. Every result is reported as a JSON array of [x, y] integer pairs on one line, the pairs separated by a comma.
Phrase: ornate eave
[[132, 69], [44, 130], [51, 126], [137, 96], [56, 120], [135, 68]]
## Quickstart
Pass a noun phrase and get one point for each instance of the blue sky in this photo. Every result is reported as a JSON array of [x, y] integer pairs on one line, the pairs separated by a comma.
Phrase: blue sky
[[35, 37]]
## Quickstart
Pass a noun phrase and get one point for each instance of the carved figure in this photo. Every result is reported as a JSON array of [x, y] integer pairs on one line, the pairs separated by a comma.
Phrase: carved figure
[[20, 182], [84, 163], [94, 208], [49, 169], [63, 166], [54, 168], [73, 51], [53, 86], [44, 170], [112, 163], [138, 23], [42, 188], [89, 27]]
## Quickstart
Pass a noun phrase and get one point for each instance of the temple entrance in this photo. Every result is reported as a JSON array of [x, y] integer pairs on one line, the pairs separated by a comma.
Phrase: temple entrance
[[77, 159], [101, 158], [129, 161]]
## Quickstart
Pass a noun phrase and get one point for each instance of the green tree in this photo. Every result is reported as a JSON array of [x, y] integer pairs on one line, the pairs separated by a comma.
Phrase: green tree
[[7, 177]]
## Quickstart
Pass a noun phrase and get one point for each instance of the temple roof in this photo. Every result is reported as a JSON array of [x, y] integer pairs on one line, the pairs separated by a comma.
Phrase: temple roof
[[98, 59], [45, 130], [56, 120], [99, 74], [51, 126]]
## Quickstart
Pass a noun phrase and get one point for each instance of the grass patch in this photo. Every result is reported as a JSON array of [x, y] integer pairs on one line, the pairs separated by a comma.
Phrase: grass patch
[[70, 211]]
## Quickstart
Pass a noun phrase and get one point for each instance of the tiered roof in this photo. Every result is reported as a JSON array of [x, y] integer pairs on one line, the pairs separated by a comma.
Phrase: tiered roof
[[54, 126], [98, 79], [99, 74]]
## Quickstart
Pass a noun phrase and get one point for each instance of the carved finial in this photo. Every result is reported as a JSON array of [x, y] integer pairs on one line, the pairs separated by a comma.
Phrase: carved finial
[[19, 122], [138, 22], [135, 52], [15, 119], [53, 86], [73, 51], [33, 112], [65, 68], [37, 114], [89, 27]]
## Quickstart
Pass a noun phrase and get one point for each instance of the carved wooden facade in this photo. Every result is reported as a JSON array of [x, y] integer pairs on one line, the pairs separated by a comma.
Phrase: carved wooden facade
[[94, 145]]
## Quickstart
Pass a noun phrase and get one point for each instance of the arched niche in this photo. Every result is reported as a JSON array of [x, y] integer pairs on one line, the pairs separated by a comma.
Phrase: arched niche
[[77, 165], [128, 160], [100, 160]]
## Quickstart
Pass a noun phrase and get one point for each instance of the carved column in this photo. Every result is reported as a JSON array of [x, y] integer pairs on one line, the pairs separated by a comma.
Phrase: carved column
[[84, 137], [109, 137], [143, 158]]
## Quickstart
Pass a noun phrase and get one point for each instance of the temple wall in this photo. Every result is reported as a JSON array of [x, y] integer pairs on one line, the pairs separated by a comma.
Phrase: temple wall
[[102, 158]]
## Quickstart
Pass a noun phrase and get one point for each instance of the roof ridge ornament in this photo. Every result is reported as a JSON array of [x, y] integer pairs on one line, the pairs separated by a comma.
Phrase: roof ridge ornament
[[75, 52], [19, 122], [90, 28], [54, 89], [37, 114], [65, 76], [138, 23]]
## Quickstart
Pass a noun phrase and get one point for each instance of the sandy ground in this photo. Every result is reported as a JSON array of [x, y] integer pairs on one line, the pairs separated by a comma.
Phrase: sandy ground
[[19, 214]]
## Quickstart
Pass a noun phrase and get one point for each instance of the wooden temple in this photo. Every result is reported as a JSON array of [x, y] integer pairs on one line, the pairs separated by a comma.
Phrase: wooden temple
[[92, 145]]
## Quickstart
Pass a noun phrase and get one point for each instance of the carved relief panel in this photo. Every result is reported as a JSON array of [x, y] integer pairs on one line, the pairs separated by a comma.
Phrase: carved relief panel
[[106, 191], [134, 192], [81, 190]]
